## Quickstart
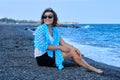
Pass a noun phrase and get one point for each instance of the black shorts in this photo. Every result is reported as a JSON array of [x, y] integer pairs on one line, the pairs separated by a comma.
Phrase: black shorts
[[45, 60]]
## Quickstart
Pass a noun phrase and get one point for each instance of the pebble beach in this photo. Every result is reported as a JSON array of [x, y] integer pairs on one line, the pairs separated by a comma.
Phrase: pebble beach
[[17, 60]]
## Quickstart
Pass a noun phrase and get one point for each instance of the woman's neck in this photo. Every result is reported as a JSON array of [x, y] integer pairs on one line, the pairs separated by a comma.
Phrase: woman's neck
[[50, 26]]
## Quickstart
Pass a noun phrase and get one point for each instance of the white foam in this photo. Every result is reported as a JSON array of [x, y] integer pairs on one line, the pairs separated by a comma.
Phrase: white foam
[[87, 26], [99, 54]]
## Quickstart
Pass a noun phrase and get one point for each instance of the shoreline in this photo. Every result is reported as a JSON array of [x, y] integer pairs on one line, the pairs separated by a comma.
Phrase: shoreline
[[17, 61]]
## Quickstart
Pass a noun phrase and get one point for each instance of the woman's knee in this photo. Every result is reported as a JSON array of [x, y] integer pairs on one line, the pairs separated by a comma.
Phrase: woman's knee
[[76, 56]]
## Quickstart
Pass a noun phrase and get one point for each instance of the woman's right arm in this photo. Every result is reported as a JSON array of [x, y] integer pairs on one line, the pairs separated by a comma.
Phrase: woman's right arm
[[53, 47], [62, 48]]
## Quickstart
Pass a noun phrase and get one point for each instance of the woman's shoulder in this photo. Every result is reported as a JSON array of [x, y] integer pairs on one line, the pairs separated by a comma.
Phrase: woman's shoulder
[[40, 27], [55, 28]]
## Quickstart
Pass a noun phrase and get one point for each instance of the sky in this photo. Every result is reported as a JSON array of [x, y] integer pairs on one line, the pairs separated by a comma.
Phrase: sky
[[81, 11]]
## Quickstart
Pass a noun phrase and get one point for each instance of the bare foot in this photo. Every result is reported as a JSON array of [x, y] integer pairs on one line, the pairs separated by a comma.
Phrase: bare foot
[[99, 71]]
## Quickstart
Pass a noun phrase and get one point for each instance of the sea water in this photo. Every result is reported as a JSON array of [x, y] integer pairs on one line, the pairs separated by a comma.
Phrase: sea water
[[100, 42]]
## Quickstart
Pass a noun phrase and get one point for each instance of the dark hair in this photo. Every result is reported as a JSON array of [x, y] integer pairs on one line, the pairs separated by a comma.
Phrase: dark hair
[[55, 18]]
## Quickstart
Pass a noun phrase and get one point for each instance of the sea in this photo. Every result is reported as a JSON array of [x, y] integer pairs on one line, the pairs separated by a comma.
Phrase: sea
[[100, 42]]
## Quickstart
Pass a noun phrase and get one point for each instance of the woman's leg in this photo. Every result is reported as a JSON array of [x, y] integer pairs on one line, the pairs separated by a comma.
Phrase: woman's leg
[[77, 58]]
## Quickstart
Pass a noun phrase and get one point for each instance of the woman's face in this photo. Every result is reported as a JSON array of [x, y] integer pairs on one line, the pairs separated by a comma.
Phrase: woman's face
[[48, 18]]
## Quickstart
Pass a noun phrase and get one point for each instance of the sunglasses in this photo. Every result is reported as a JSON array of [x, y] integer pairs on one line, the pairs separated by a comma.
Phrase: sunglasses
[[47, 16]]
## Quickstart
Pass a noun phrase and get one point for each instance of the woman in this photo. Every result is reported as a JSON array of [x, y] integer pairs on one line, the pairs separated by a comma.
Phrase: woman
[[51, 49]]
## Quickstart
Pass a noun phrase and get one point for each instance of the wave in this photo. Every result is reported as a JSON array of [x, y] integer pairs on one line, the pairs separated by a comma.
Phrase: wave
[[87, 26]]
